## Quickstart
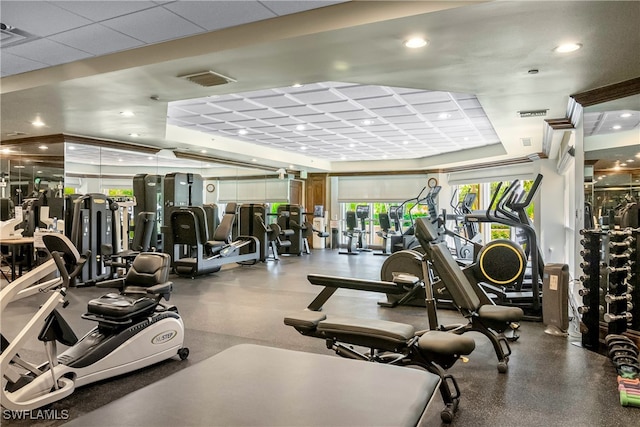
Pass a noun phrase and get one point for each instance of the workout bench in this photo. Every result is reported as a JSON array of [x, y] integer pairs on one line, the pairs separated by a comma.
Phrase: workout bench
[[251, 385]]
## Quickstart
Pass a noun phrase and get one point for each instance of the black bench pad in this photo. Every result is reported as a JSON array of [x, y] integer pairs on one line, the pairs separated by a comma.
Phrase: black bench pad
[[446, 343], [367, 327], [250, 385], [500, 313]]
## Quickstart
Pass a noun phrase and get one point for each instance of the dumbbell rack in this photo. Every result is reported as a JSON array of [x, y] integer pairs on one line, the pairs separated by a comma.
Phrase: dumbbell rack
[[610, 293]]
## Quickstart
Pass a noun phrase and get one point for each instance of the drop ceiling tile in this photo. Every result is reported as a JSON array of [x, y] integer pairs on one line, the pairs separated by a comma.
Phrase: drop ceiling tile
[[469, 103], [39, 17], [215, 15], [229, 116], [202, 120], [96, 39], [198, 108], [47, 51], [449, 123], [387, 112], [336, 107], [356, 116], [413, 126], [153, 25], [275, 101], [320, 96], [264, 113], [101, 10], [426, 97], [287, 6], [475, 112], [362, 92], [12, 64], [285, 121], [298, 110], [435, 107], [234, 104], [315, 118], [413, 118]]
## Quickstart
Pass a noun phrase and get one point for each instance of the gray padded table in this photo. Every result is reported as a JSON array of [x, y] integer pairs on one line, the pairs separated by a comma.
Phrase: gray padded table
[[251, 385]]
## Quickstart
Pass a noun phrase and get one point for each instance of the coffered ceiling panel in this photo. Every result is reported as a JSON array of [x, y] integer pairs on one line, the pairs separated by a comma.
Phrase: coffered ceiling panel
[[340, 121]]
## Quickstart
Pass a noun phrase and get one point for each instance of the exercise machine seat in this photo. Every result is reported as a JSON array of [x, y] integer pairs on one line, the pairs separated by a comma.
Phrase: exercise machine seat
[[222, 234], [392, 331], [149, 269], [441, 342], [500, 313]]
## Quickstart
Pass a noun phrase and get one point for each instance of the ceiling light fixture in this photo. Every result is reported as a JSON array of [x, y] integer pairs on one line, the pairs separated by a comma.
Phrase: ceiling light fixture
[[623, 164], [616, 127], [625, 115], [630, 160], [304, 147], [203, 151], [127, 113], [367, 122], [37, 123], [71, 147], [301, 127], [134, 135], [120, 160], [43, 147], [443, 116], [254, 160], [352, 145], [296, 85], [405, 142], [150, 158], [19, 166], [568, 47], [243, 132], [6, 150], [415, 42]]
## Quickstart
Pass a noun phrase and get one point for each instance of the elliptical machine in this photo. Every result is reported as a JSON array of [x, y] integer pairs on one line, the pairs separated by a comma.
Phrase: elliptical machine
[[134, 330]]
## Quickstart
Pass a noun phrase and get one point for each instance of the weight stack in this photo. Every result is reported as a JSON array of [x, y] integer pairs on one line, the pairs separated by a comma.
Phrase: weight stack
[[555, 299]]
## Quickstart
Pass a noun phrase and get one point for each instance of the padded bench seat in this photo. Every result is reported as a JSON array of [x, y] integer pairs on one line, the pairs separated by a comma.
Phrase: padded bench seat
[[251, 385], [380, 333], [500, 313], [113, 305]]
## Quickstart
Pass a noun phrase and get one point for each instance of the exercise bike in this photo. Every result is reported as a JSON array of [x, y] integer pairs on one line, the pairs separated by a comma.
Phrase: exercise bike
[[134, 330]]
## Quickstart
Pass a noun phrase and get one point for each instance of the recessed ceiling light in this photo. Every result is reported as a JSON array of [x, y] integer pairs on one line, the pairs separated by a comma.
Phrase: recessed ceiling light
[[342, 157], [19, 166], [150, 158], [134, 135], [623, 164], [625, 115], [367, 122], [385, 156], [304, 147], [119, 160], [405, 142], [243, 132], [444, 116], [466, 138], [568, 47], [71, 147], [616, 127], [352, 145], [290, 166], [127, 113], [599, 177], [203, 151], [415, 42], [37, 123], [6, 150], [254, 160], [297, 85], [43, 147], [630, 160], [638, 156], [301, 127], [39, 172]]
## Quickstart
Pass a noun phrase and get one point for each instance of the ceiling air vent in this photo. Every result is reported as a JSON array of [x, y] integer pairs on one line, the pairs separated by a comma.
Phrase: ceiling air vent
[[532, 113], [208, 78]]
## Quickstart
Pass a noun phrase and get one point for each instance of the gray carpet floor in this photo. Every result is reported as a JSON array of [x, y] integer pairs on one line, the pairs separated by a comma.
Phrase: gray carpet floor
[[551, 381]]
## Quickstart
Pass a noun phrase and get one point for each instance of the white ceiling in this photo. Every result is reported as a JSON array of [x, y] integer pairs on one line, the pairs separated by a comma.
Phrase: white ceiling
[[484, 49]]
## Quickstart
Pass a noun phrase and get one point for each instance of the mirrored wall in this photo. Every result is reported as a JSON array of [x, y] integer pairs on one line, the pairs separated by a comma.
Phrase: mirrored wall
[[612, 154]]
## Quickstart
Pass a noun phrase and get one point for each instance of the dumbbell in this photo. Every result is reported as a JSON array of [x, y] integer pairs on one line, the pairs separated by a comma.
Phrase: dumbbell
[[627, 399], [609, 318], [635, 382], [618, 337], [615, 298]]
